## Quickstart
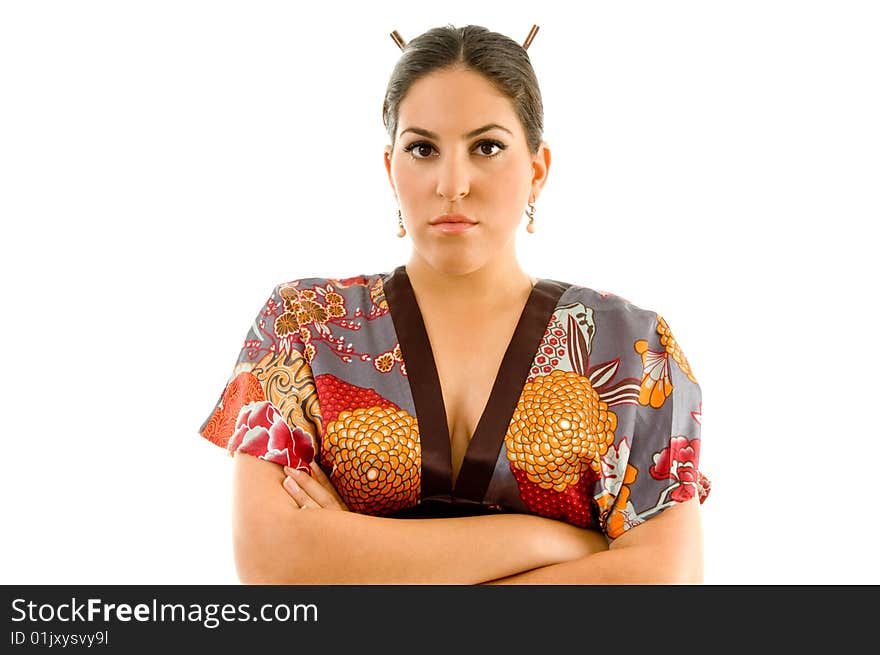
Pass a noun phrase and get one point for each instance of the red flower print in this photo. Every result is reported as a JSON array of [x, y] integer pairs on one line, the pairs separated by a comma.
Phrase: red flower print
[[678, 461], [704, 486], [261, 431]]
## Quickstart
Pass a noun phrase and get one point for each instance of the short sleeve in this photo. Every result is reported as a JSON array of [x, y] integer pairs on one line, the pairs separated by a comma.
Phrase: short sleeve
[[657, 466], [268, 405]]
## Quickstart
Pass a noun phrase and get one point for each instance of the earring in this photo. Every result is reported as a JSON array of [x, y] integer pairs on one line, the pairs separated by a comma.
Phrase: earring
[[402, 231], [530, 228]]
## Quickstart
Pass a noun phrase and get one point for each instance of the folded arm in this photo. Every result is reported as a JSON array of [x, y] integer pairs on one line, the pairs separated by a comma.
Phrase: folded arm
[[665, 549], [277, 543]]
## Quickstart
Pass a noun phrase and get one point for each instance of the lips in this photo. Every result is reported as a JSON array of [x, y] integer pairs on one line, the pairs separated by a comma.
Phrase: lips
[[454, 228], [453, 218]]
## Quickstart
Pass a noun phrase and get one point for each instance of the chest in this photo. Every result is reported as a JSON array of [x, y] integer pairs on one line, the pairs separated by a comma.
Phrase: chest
[[440, 434], [468, 356]]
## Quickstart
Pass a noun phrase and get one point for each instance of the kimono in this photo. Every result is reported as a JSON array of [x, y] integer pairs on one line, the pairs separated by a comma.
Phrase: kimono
[[593, 419]]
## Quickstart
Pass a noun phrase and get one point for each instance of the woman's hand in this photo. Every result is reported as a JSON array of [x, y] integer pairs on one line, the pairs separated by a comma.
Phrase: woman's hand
[[315, 492]]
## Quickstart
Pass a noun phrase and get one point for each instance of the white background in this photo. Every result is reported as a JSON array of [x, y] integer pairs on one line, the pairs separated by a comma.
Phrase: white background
[[164, 164]]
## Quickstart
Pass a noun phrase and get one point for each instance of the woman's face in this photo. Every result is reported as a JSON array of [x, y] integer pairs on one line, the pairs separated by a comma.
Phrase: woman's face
[[489, 177]]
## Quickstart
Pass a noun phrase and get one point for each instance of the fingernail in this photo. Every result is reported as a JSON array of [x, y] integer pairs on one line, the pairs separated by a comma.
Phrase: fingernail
[[290, 483]]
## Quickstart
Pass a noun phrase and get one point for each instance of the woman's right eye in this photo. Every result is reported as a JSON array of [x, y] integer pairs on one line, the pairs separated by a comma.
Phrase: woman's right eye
[[418, 146]]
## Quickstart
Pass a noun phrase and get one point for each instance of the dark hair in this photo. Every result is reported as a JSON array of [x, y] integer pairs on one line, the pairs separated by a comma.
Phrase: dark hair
[[501, 60]]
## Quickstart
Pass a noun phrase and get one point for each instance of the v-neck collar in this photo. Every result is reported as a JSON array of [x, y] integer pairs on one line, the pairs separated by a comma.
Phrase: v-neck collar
[[482, 452]]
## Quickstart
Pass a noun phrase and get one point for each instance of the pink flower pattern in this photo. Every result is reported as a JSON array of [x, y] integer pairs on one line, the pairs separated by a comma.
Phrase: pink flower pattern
[[678, 462], [261, 431]]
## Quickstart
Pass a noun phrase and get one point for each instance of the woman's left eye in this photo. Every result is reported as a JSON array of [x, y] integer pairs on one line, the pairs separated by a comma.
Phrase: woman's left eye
[[492, 144], [480, 146]]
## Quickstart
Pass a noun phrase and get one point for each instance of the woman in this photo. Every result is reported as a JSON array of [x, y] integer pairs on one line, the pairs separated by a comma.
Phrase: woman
[[456, 420]]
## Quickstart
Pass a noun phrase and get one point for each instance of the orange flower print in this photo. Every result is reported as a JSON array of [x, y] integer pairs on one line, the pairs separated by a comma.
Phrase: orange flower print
[[616, 513], [312, 314], [375, 456], [335, 311], [564, 420], [384, 362], [335, 303], [286, 324], [620, 518], [673, 349], [656, 384], [559, 430], [370, 446]]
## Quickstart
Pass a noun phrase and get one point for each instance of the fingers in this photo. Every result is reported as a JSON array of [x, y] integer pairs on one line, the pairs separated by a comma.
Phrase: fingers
[[300, 497], [321, 477], [306, 490], [318, 472]]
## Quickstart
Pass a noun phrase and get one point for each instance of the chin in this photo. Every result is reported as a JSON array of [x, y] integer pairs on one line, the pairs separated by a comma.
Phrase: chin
[[456, 266]]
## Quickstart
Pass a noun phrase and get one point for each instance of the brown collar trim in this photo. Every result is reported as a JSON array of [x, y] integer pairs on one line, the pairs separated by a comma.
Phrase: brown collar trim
[[485, 445]]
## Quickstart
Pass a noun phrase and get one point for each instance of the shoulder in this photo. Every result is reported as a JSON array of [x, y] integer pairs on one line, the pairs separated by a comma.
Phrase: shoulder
[[612, 313], [315, 287], [321, 297]]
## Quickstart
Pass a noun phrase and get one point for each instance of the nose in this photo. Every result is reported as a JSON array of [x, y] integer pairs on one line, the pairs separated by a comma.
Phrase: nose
[[453, 177]]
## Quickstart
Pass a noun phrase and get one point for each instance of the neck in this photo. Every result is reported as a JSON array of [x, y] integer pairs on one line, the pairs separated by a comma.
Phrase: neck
[[496, 282]]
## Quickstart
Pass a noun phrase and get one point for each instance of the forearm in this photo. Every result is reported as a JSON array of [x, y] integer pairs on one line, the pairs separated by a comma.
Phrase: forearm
[[334, 547], [635, 565]]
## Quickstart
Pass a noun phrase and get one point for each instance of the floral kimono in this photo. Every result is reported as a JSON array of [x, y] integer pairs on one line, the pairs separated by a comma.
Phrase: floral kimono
[[594, 417]]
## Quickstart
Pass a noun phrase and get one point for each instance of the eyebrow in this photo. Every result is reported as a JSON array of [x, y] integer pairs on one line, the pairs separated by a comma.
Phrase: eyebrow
[[471, 134]]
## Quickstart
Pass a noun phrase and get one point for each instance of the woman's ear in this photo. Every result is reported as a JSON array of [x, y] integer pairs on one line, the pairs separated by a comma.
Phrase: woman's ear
[[540, 167], [387, 159]]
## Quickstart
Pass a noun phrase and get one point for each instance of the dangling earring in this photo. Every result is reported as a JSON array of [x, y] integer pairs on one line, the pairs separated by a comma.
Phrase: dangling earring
[[402, 231], [530, 228]]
